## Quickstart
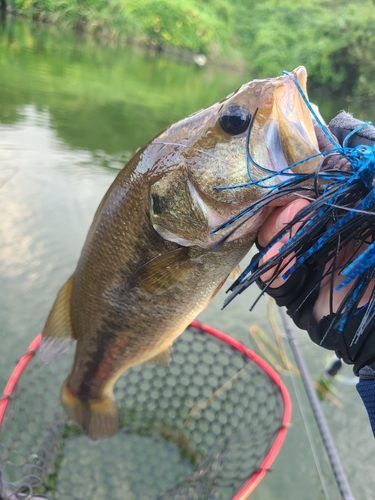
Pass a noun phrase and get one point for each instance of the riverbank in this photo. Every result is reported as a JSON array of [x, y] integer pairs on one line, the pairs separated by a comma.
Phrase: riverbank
[[122, 31], [178, 28], [333, 40]]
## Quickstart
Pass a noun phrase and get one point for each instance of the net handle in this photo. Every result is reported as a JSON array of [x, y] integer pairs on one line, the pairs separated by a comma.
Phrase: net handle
[[268, 460], [16, 373], [256, 478]]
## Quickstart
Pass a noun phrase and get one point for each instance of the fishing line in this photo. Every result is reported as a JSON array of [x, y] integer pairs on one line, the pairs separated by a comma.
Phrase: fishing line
[[309, 435], [321, 422], [312, 111]]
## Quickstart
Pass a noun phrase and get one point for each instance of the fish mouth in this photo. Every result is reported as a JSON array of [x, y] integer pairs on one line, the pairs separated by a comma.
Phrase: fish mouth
[[286, 125], [303, 140]]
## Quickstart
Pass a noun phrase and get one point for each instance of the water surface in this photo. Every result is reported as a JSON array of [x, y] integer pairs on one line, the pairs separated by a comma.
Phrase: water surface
[[72, 113]]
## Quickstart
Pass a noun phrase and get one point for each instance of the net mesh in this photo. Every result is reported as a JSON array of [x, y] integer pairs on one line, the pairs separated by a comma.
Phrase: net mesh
[[198, 429]]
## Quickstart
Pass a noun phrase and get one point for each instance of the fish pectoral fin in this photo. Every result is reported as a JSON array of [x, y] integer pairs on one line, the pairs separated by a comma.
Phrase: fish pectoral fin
[[58, 331], [162, 358], [163, 271], [98, 418], [235, 274]]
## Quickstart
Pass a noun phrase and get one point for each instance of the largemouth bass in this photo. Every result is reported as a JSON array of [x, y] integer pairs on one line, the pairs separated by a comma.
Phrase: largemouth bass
[[149, 264]]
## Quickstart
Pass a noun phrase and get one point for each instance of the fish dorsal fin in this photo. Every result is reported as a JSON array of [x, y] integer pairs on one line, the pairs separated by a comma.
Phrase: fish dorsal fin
[[235, 274], [163, 271], [162, 358], [58, 332]]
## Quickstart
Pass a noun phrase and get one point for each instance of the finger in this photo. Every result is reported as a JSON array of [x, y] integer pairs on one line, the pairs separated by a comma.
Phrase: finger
[[267, 276], [327, 298], [277, 220], [274, 223]]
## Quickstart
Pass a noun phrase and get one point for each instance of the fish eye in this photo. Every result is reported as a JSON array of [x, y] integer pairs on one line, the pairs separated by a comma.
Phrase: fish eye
[[234, 119]]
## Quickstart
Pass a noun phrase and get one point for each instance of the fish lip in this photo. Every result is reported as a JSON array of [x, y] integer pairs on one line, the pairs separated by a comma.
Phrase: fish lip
[[323, 142], [300, 74], [287, 127], [302, 141]]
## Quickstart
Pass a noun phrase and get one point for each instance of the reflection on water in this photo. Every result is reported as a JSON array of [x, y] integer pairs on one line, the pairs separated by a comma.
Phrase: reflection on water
[[38, 180], [71, 113], [48, 195]]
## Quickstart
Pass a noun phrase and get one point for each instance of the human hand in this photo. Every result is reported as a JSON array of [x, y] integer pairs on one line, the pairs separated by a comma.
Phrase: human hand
[[342, 320], [328, 299]]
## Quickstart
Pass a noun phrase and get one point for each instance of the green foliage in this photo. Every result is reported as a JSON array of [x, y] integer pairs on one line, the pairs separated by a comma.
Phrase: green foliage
[[185, 24], [334, 40]]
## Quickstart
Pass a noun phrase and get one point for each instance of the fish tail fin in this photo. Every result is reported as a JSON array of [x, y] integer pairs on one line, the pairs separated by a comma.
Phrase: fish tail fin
[[58, 331], [98, 418]]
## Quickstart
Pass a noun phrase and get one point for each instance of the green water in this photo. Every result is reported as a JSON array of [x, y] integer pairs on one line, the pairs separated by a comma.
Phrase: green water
[[71, 113]]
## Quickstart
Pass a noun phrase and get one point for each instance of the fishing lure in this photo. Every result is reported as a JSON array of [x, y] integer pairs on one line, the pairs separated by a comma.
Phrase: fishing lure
[[342, 208]]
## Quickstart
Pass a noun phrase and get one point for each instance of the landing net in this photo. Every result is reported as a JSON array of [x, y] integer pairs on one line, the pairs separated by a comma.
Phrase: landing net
[[207, 427]]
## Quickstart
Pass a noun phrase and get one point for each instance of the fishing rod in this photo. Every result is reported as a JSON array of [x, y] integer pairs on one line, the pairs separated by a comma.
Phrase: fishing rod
[[338, 471]]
